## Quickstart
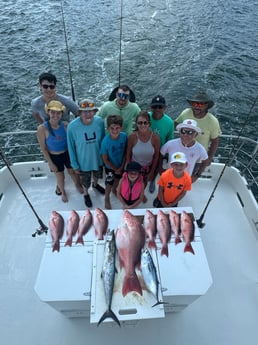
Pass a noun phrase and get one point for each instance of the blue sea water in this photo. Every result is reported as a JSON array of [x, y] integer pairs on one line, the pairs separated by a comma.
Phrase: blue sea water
[[168, 47]]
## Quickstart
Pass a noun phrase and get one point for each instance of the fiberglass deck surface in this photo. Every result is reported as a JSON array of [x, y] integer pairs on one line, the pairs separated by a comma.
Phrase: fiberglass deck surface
[[226, 314]]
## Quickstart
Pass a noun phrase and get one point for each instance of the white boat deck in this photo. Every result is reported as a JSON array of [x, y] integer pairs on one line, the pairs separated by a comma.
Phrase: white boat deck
[[226, 314]]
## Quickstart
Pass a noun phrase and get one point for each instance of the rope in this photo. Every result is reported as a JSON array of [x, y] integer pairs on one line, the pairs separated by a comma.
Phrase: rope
[[67, 52], [230, 155]]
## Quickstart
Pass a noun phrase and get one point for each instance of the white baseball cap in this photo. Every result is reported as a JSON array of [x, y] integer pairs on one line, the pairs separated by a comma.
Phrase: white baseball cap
[[178, 157]]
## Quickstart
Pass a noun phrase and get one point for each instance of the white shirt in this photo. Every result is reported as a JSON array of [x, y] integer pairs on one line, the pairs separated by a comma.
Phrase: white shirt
[[194, 154]]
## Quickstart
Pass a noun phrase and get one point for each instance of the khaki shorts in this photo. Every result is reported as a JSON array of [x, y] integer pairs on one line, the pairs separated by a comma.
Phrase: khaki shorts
[[85, 176]]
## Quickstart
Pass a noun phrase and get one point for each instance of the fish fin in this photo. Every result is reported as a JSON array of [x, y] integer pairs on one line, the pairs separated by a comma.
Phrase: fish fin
[[109, 313], [152, 244], [69, 242], [79, 240], [131, 283], [189, 248], [56, 246], [164, 250], [178, 240]]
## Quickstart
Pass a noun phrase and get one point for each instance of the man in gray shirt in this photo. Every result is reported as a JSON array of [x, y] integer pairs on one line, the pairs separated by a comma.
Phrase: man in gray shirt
[[47, 83]]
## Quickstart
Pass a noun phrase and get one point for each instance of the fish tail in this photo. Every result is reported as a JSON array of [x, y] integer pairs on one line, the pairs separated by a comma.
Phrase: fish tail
[[79, 240], [56, 246], [189, 248], [164, 250], [68, 242], [178, 240], [152, 244], [109, 314], [131, 283]]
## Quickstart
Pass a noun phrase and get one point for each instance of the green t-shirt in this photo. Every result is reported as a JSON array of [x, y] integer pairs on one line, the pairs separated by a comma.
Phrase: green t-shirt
[[128, 113], [164, 127]]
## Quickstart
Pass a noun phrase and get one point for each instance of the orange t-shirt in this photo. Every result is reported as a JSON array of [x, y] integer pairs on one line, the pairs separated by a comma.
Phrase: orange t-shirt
[[174, 186]]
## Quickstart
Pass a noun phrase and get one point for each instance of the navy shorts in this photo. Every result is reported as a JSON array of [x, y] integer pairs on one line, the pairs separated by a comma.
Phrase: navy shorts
[[61, 160]]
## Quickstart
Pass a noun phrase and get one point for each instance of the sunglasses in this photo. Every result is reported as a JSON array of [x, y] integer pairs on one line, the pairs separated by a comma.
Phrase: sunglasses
[[123, 95], [157, 106], [140, 123], [188, 132], [48, 86], [198, 104], [87, 105]]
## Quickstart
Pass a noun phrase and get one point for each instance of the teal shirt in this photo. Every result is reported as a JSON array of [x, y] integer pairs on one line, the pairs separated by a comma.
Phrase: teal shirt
[[128, 113], [164, 127], [84, 144]]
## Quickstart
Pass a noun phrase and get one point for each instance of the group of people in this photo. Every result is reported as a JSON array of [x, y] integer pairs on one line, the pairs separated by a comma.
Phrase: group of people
[[130, 144]]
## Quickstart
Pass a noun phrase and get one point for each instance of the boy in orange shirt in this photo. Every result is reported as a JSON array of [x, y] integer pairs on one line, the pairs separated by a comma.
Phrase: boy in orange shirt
[[173, 183]]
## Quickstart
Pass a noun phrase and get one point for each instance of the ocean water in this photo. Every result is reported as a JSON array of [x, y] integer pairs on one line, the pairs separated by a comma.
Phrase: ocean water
[[167, 47]]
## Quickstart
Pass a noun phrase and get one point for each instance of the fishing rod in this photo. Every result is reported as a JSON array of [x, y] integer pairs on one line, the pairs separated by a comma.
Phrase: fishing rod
[[67, 52], [112, 96], [230, 156], [42, 228]]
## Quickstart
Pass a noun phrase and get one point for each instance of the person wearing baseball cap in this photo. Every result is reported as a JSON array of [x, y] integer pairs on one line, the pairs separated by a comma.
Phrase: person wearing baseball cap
[[207, 122], [161, 124], [197, 157], [174, 182]]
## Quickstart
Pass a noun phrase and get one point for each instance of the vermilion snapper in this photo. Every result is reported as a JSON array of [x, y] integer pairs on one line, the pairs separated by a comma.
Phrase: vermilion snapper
[[187, 228], [56, 225], [72, 227], [84, 226]]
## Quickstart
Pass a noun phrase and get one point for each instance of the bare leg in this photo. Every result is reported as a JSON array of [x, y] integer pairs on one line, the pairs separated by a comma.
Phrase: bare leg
[[76, 180], [60, 177], [107, 197]]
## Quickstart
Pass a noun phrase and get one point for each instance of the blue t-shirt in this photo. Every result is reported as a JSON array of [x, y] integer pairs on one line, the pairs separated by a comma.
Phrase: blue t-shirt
[[114, 149]]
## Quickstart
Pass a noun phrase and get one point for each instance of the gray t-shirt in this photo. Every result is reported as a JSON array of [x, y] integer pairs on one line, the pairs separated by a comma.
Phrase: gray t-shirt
[[38, 107]]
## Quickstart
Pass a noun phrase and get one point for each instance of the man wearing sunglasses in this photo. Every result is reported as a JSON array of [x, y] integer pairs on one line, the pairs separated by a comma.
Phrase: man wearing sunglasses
[[208, 123], [47, 84], [197, 157], [122, 106], [161, 124]]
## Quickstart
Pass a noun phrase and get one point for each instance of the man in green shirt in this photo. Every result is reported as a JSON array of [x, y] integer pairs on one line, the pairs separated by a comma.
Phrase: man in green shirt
[[161, 124], [122, 106]]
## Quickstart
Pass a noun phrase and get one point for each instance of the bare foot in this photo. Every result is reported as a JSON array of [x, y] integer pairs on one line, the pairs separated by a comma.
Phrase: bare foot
[[64, 197]]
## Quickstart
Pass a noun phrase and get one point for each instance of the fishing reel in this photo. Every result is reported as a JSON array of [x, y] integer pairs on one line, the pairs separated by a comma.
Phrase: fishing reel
[[40, 230]]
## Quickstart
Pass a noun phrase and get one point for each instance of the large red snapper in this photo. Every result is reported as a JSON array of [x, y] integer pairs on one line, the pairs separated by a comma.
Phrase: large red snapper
[[100, 223], [84, 226], [149, 224], [130, 239], [164, 231], [72, 227], [187, 228], [56, 225], [174, 219]]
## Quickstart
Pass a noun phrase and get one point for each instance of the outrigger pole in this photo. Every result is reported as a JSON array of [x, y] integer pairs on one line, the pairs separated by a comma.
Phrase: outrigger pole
[[43, 228], [230, 156], [67, 52]]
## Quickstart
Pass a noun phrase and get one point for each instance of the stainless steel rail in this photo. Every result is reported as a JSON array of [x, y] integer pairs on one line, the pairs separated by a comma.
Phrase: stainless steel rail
[[240, 152]]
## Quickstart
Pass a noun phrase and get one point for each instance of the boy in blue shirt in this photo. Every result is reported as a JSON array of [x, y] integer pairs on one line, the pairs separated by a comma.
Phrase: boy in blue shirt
[[113, 148]]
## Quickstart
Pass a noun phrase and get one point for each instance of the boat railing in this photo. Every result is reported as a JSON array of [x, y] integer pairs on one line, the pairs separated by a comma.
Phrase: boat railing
[[238, 151]]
